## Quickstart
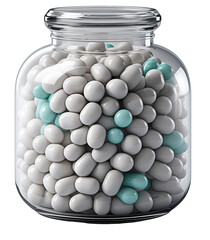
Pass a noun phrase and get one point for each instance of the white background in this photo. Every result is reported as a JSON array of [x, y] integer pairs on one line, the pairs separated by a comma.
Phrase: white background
[[184, 30]]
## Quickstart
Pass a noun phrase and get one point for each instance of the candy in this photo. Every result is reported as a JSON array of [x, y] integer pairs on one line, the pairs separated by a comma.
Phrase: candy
[[60, 204], [117, 88], [80, 202], [96, 136], [109, 106], [149, 65], [30, 156], [131, 144], [75, 103], [163, 105], [101, 170], [40, 143], [169, 91], [57, 101], [127, 195], [122, 162], [161, 200], [160, 171], [49, 183], [120, 208], [84, 165], [60, 170], [54, 152], [164, 154], [173, 140], [135, 180], [90, 113], [166, 70], [42, 163], [89, 61], [53, 134], [148, 95], [46, 114], [136, 57], [79, 135], [152, 139], [112, 182], [102, 204], [107, 122], [163, 124], [96, 46], [115, 64], [104, 153], [66, 186], [72, 152], [100, 73], [138, 127], [33, 127], [144, 202], [35, 175], [148, 114], [87, 185], [39, 92], [154, 79], [144, 160], [123, 118], [70, 120], [115, 135], [177, 168], [74, 84], [171, 186], [133, 103], [35, 194]]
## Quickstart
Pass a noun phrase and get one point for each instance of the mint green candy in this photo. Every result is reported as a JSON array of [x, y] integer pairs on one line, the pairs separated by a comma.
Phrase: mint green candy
[[182, 148], [148, 186], [41, 102], [115, 135], [42, 128], [128, 195], [123, 118], [49, 98], [56, 121], [166, 71], [135, 180], [108, 45], [173, 140], [149, 65], [39, 92], [46, 114]]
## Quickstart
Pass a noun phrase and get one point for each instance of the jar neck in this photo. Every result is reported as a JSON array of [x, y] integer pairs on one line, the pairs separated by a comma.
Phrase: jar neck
[[75, 36]]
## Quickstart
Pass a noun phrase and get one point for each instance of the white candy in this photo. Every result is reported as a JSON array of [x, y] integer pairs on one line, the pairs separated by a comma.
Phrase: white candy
[[79, 136], [66, 140], [177, 168], [163, 124], [89, 61], [47, 61], [169, 91], [155, 79], [35, 194], [46, 201], [120, 208], [70, 120], [115, 64], [176, 109], [102, 204], [54, 152], [66, 186], [144, 203], [57, 56], [132, 75], [26, 92], [163, 105], [90, 113], [123, 46], [144, 160], [148, 95], [126, 59], [34, 127], [25, 138], [87, 185], [100, 73], [60, 204], [61, 169], [35, 175], [101, 170], [21, 149], [84, 165], [104, 153], [160, 171], [161, 200], [25, 116], [29, 105], [75, 103], [107, 122], [96, 136], [80, 203], [88, 76], [53, 134], [181, 127], [117, 88], [49, 183], [94, 91], [72, 152], [109, 106], [138, 127], [24, 181], [96, 46], [33, 72], [131, 144], [164, 154], [112, 182], [148, 114], [74, 84], [133, 103], [136, 57], [122, 162], [42, 164], [57, 102], [152, 139], [30, 156], [171, 186], [72, 66], [23, 166]]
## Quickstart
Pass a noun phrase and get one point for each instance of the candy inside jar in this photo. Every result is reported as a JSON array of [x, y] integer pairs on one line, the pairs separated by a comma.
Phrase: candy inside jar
[[102, 133]]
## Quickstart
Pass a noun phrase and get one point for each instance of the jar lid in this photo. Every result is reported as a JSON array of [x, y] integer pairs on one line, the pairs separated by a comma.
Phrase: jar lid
[[146, 19]]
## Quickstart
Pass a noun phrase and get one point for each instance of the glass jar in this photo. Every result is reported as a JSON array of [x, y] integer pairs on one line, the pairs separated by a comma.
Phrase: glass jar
[[102, 119]]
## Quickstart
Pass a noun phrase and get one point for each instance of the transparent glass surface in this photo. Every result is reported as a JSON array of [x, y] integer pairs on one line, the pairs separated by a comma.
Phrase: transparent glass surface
[[71, 162]]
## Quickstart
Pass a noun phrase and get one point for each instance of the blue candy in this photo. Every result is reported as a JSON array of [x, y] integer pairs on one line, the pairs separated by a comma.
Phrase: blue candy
[[173, 140], [182, 148], [46, 114], [149, 64], [42, 128], [166, 71], [123, 118], [128, 195], [57, 122], [115, 135], [41, 102], [109, 45], [135, 180], [39, 92]]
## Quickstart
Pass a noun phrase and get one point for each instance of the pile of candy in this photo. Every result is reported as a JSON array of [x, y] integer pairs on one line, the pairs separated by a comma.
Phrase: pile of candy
[[102, 132]]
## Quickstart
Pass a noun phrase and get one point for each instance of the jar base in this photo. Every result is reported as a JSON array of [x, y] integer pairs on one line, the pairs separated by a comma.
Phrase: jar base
[[111, 219]]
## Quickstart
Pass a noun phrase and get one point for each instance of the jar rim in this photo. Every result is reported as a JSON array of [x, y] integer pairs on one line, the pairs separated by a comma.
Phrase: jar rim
[[103, 16]]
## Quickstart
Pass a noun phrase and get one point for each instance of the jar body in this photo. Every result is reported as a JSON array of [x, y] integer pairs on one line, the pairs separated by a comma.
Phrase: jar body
[[77, 156]]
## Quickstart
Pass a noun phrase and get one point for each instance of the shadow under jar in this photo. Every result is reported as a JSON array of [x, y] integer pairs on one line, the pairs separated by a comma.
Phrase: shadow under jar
[[102, 119]]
